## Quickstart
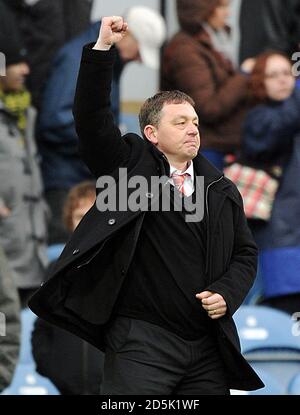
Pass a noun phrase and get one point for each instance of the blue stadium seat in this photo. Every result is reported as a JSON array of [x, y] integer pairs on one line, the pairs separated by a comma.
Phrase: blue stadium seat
[[26, 380], [269, 344], [129, 122], [294, 385], [263, 327], [273, 386]]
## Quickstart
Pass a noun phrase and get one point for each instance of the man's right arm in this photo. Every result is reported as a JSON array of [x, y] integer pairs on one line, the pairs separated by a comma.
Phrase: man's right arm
[[100, 143]]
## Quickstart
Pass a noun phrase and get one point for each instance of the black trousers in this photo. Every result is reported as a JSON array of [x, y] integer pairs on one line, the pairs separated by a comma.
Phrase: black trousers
[[144, 359]]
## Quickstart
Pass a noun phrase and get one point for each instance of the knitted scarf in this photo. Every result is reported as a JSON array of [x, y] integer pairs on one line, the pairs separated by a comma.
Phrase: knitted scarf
[[17, 104]]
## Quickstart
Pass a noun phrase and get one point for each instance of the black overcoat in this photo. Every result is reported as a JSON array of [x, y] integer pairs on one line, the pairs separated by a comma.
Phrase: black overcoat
[[83, 290]]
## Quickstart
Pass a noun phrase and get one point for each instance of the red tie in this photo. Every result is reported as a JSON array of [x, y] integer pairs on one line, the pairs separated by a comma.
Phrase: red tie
[[178, 180]]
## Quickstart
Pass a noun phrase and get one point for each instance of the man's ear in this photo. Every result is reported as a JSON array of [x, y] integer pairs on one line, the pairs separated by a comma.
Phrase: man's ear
[[150, 133]]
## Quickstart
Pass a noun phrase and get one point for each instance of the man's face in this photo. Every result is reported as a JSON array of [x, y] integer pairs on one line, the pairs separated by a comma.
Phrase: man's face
[[14, 80], [177, 135], [220, 15]]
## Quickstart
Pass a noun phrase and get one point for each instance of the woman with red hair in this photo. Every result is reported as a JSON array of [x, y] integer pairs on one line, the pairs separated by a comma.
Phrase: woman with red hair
[[272, 137]]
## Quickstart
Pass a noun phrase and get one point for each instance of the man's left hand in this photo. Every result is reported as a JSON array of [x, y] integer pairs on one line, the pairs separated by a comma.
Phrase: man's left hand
[[213, 303]]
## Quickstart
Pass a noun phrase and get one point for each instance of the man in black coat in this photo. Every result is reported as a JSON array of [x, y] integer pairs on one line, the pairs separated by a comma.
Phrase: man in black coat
[[155, 288]]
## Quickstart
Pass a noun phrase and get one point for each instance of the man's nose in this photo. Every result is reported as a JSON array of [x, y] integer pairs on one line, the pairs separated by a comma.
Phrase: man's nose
[[193, 130]]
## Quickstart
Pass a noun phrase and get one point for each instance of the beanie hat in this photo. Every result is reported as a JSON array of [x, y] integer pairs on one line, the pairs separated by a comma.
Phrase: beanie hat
[[10, 39], [193, 13]]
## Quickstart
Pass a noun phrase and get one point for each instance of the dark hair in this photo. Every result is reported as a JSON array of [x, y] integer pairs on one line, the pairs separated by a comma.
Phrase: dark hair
[[82, 190], [150, 113], [258, 75], [193, 13]]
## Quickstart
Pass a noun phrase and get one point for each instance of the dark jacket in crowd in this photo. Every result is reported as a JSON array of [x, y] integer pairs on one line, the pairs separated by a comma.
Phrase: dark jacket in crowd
[[272, 137], [11, 41], [46, 25], [62, 167], [253, 42], [10, 325], [192, 64], [87, 279], [282, 23]]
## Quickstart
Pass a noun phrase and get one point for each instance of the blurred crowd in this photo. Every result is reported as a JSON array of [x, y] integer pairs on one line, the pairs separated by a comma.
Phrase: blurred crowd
[[234, 58]]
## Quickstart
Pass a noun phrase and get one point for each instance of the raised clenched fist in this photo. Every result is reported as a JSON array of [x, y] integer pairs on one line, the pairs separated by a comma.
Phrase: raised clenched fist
[[112, 30]]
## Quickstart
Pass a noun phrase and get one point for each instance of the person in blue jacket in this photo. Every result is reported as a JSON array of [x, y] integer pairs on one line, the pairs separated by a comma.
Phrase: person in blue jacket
[[62, 167], [272, 138]]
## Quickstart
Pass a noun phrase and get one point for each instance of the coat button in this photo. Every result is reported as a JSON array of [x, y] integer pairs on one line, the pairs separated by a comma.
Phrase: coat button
[[76, 251], [123, 272], [111, 222]]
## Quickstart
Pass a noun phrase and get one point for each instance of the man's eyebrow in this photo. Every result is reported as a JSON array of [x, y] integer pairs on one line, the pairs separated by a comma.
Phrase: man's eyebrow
[[185, 117]]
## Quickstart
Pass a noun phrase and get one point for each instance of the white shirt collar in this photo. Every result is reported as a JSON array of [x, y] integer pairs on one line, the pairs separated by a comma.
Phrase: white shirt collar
[[189, 170], [189, 181]]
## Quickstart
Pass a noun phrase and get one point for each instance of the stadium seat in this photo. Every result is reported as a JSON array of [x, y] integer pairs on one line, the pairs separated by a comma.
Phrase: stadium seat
[[263, 327], [26, 380], [273, 386], [270, 346], [294, 385]]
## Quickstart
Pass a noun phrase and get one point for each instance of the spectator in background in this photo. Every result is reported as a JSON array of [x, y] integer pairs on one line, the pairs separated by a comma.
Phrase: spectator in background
[[276, 26], [23, 210], [61, 165], [42, 40], [54, 348], [244, 17], [282, 20], [10, 326], [197, 61], [272, 137]]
